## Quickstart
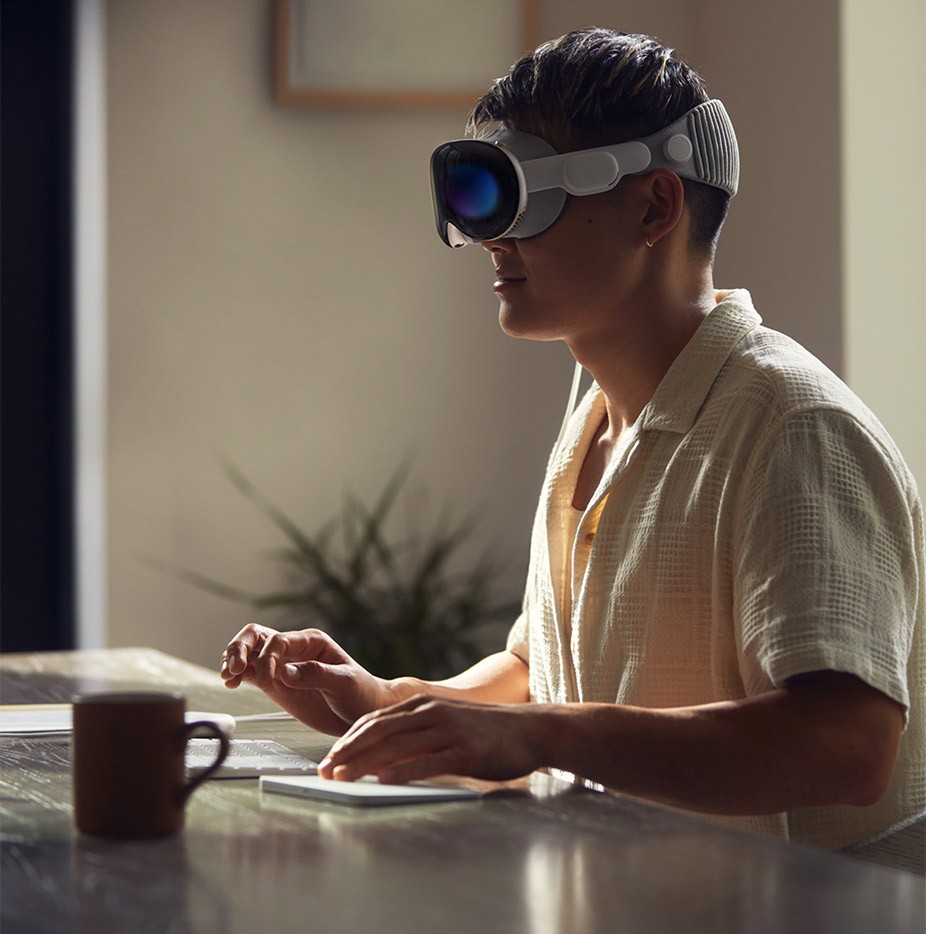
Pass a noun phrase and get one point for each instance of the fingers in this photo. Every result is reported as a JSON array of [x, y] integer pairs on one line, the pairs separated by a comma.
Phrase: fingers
[[238, 653], [279, 648], [383, 741], [256, 653], [313, 675], [422, 766], [379, 725]]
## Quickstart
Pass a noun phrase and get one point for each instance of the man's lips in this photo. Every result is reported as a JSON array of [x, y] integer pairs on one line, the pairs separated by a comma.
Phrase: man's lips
[[506, 279]]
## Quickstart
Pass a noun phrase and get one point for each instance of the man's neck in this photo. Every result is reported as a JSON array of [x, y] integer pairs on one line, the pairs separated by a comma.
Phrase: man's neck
[[630, 361]]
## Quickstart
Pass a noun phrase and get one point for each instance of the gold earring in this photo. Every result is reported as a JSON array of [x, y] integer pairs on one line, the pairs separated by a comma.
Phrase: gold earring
[[649, 243]]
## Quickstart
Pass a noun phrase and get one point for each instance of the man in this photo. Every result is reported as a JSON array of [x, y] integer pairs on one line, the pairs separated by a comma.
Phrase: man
[[724, 609]]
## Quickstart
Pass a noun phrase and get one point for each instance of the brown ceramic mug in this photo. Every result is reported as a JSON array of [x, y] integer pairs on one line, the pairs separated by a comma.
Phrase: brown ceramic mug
[[128, 753]]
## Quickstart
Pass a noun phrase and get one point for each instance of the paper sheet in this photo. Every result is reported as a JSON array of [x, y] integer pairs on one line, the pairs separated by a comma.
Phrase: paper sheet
[[55, 719]]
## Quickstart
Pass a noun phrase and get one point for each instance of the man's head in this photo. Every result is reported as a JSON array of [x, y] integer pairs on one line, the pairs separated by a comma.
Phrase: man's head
[[597, 87]]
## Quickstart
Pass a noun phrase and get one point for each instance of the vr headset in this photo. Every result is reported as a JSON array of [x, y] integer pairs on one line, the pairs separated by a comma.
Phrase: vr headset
[[511, 184]]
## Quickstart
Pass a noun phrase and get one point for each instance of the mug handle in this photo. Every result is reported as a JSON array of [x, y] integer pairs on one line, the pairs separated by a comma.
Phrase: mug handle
[[214, 731]]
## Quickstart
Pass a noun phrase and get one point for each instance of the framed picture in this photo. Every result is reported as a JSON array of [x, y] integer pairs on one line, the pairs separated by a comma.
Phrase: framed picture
[[396, 53]]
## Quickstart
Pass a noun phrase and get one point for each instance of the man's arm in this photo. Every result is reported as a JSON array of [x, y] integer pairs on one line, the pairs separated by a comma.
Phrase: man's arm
[[498, 679], [823, 739], [309, 675]]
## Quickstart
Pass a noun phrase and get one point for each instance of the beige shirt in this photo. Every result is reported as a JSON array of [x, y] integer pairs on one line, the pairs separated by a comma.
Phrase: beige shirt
[[757, 522]]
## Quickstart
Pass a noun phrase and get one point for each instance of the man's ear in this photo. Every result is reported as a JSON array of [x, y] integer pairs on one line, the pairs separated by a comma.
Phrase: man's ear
[[665, 202]]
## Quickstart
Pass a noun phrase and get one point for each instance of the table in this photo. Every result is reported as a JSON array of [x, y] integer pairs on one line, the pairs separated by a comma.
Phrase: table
[[534, 856]]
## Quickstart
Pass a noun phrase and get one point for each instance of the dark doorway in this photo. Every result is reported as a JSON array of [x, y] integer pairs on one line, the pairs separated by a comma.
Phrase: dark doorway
[[36, 343]]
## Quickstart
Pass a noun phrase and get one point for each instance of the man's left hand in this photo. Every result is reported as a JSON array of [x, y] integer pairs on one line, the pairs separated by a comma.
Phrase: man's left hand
[[426, 736]]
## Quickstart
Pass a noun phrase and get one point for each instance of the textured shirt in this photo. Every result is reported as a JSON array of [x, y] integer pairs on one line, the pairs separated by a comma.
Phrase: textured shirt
[[756, 522]]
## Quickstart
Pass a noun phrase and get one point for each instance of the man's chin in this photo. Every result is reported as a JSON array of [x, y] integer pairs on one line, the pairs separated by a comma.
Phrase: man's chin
[[522, 324]]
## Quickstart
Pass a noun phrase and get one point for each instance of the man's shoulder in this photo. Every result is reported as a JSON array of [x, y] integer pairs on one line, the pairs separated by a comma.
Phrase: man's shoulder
[[771, 384], [765, 373], [783, 377]]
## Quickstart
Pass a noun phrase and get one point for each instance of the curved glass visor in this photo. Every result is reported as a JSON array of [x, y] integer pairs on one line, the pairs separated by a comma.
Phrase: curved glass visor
[[475, 188], [514, 184]]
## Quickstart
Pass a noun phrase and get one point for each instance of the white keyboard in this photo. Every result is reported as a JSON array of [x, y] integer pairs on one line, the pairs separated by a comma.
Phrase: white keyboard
[[248, 758]]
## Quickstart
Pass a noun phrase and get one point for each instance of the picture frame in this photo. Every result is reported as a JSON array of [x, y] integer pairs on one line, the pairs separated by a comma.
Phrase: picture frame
[[362, 54]]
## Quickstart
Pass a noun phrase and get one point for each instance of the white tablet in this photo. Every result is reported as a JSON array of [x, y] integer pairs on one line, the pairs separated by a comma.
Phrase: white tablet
[[367, 792]]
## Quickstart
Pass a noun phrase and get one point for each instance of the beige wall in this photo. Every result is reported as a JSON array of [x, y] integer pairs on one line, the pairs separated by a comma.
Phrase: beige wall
[[776, 66], [277, 294], [884, 193]]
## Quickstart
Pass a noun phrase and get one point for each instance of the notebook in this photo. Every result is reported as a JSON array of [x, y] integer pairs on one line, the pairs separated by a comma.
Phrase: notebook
[[367, 792], [56, 719], [247, 758]]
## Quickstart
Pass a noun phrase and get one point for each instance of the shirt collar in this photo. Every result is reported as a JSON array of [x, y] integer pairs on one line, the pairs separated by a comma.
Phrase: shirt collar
[[683, 390]]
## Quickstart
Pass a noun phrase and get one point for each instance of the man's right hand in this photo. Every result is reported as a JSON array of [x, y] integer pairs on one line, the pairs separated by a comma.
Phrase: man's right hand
[[307, 673]]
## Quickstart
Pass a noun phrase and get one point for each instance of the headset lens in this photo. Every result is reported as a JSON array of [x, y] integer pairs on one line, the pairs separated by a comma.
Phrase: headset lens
[[472, 191], [475, 188]]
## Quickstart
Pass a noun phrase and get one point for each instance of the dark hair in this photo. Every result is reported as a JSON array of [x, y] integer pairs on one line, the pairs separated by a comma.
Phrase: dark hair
[[595, 87]]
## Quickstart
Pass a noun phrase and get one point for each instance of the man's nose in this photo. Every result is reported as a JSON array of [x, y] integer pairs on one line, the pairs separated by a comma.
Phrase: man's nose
[[502, 245]]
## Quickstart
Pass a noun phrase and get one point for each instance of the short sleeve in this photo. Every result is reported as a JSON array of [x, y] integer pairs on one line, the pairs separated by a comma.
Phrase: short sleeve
[[519, 639], [826, 573]]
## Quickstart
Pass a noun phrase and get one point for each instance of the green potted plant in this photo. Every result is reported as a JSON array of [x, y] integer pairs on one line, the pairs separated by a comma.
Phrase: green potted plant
[[395, 600]]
